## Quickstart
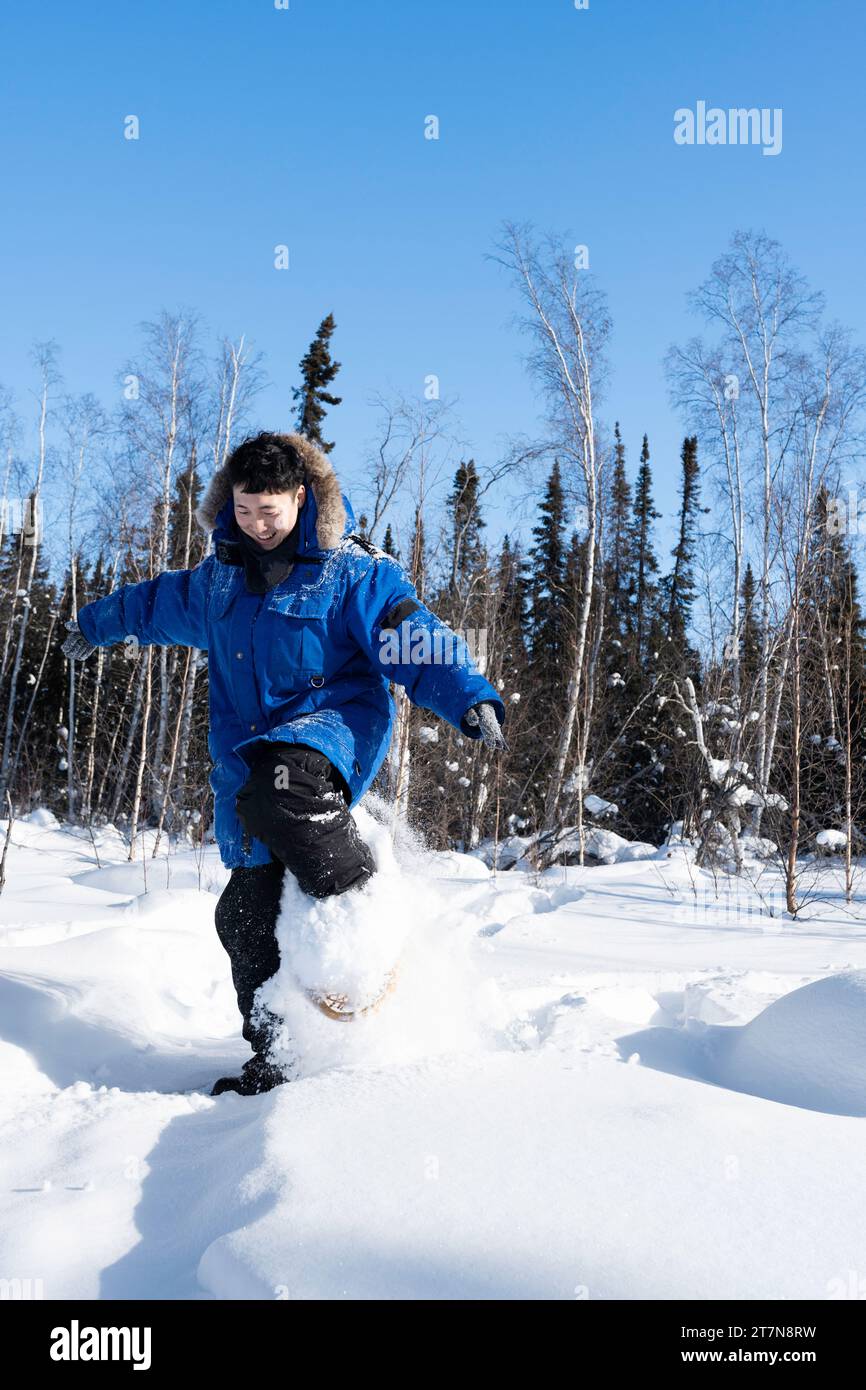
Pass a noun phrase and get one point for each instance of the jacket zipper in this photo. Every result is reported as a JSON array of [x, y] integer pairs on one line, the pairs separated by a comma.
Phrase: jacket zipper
[[253, 650], [247, 842]]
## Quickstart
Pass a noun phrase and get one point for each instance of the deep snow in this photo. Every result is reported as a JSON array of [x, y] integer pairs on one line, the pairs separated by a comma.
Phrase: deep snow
[[611, 1082]]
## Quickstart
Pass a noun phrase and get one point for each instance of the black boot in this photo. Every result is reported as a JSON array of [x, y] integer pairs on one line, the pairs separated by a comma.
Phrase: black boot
[[263, 1031], [257, 1075]]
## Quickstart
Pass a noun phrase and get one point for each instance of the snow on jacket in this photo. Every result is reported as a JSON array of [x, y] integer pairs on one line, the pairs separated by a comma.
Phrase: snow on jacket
[[307, 662]]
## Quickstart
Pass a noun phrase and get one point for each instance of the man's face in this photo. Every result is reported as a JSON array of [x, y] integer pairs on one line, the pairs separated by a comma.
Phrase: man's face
[[268, 516]]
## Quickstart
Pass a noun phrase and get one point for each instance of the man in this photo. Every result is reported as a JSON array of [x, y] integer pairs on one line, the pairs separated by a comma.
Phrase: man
[[305, 623]]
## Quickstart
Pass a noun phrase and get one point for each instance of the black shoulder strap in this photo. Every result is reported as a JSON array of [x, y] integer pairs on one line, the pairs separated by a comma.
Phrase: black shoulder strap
[[362, 541]]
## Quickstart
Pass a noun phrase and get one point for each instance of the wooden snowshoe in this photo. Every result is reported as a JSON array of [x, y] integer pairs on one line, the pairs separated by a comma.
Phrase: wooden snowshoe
[[339, 1006]]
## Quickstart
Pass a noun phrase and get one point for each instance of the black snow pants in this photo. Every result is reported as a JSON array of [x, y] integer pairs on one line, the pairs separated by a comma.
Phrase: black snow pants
[[297, 803]]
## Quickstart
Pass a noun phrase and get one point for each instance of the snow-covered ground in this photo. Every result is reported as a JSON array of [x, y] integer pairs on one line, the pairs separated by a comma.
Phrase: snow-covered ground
[[602, 1082]]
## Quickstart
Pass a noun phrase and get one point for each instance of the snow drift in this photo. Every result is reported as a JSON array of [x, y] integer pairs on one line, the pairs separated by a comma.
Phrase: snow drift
[[605, 1082]]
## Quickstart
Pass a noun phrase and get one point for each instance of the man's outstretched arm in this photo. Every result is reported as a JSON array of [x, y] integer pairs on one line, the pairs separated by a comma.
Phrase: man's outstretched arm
[[166, 611], [413, 647]]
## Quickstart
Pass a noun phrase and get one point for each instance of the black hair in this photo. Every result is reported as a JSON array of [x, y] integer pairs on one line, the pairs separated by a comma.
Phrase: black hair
[[265, 463]]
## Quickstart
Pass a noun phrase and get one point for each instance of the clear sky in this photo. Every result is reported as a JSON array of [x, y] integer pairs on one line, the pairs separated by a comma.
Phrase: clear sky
[[306, 126]]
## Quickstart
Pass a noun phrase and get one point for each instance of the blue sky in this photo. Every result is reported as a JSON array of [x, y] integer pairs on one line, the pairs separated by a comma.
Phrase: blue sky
[[305, 126]]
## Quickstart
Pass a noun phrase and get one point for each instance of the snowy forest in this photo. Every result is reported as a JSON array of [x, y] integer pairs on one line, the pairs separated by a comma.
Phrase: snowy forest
[[710, 689]]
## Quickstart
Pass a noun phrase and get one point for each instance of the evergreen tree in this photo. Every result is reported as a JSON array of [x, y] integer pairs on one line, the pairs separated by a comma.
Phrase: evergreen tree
[[513, 600], [834, 675], [550, 625], [623, 677], [680, 584], [673, 658], [575, 568], [646, 564], [466, 524], [548, 603], [318, 371], [635, 736], [619, 566], [750, 635]]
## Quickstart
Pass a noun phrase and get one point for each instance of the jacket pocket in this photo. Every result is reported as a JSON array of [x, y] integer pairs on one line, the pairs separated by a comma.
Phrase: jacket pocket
[[304, 601], [300, 651], [227, 584]]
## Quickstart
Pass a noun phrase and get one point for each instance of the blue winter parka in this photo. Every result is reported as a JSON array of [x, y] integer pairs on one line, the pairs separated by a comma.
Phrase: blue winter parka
[[310, 660]]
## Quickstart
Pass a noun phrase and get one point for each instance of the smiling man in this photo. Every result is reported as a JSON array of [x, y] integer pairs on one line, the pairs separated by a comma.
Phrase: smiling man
[[295, 611]]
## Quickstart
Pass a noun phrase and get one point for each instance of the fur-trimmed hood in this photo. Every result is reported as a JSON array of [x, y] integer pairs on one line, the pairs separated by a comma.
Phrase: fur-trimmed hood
[[325, 507]]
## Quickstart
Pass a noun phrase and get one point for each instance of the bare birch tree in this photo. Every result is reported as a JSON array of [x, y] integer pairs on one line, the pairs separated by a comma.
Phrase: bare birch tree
[[569, 324]]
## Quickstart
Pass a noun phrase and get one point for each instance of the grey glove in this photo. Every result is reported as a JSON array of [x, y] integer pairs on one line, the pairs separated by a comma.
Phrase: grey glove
[[483, 715], [76, 646]]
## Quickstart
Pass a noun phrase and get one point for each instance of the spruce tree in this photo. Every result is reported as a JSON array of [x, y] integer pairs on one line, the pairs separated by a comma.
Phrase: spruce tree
[[513, 600], [550, 625], [680, 584], [646, 564], [619, 567], [750, 634], [548, 603], [318, 371], [834, 674], [623, 675], [676, 659], [466, 524]]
